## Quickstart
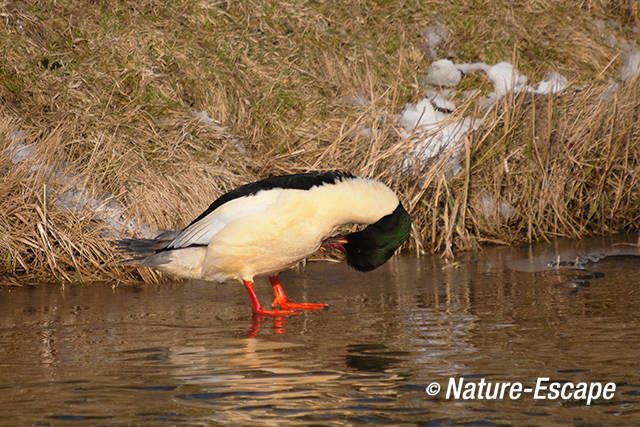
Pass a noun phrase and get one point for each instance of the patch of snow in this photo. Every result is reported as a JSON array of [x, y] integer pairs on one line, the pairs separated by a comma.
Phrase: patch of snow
[[434, 35], [362, 132], [505, 79], [609, 91], [473, 67], [19, 150], [429, 123], [359, 100], [553, 83], [490, 206], [443, 72], [422, 114], [435, 133], [440, 102], [614, 24], [21, 153], [76, 198], [206, 119], [487, 102], [630, 65], [437, 140]]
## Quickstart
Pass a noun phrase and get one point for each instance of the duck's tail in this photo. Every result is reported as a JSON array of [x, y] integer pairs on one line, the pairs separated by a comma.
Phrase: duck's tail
[[183, 262], [142, 248]]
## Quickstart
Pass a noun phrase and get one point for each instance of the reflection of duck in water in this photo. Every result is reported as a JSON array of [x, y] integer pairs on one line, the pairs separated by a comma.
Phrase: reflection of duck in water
[[267, 226]]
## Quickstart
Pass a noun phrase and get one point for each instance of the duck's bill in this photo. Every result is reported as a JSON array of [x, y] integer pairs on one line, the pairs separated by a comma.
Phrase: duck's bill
[[336, 242]]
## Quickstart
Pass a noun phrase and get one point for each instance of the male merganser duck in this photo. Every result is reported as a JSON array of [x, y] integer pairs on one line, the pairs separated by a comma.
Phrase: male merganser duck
[[267, 226]]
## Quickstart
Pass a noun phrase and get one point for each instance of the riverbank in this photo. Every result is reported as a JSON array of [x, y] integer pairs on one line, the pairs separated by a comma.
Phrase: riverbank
[[125, 118]]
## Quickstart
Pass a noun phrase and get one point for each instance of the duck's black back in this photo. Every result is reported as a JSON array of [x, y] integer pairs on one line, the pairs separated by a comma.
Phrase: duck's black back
[[300, 181]]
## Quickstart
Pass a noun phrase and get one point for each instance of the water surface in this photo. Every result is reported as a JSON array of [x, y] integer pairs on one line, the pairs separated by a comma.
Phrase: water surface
[[191, 353]]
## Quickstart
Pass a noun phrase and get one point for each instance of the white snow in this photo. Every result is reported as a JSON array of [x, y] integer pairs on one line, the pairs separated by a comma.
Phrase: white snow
[[359, 100], [362, 132], [473, 67], [207, 120], [630, 69], [490, 206], [553, 83], [503, 76], [76, 196], [434, 131], [443, 72], [434, 35], [422, 114], [630, 65], [19, 151], [429, 122], [505, 79], [441, 100], [609, 91]]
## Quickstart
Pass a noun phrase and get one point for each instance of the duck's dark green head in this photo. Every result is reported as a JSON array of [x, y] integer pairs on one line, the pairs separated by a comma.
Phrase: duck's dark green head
[[370, 248]]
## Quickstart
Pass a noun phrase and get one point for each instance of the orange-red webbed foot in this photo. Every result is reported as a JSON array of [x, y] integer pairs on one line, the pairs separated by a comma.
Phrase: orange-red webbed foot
[[256, 307], [308, 306], [283, 312], [281, 299]]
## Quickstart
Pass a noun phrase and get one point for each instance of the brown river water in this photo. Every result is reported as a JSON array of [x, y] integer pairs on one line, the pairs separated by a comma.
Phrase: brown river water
[[190, 353]]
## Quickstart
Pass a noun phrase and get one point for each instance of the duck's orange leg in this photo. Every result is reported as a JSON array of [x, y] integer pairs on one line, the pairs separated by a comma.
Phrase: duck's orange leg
[[257, 308], [256, 324], [281, 299]]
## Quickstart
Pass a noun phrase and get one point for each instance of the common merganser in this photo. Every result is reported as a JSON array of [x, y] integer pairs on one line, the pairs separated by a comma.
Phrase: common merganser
[[267, 226]]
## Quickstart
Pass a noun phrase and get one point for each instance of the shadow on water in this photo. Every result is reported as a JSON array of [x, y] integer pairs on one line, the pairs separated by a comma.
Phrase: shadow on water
[[182, 353]]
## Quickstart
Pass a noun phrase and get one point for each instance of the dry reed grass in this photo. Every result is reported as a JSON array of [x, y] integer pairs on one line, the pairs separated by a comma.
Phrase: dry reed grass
[[107, 94]]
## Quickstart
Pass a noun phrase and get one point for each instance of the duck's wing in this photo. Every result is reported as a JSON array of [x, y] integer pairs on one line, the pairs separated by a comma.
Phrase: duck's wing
[[201, 231], [246, 200]]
